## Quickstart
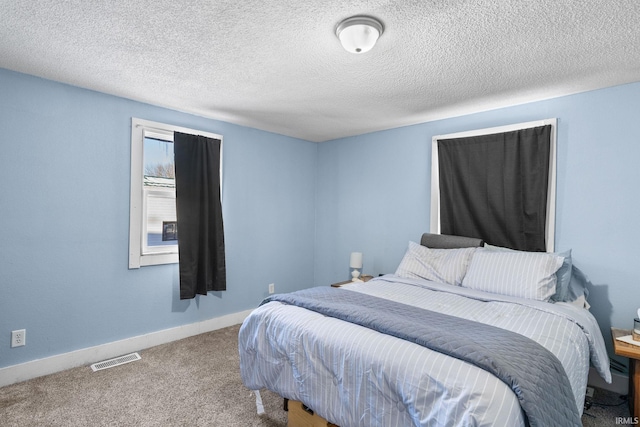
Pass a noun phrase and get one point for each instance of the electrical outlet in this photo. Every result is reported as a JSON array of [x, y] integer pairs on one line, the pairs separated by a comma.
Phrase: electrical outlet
[[590, 391], [18, 338], [272, 288]]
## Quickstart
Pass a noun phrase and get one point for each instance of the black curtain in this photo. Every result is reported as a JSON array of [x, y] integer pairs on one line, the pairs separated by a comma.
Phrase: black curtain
[[199, 214], [494, 187]]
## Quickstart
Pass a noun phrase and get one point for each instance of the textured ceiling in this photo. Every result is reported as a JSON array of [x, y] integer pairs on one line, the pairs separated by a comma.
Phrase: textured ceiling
[[278, 65]]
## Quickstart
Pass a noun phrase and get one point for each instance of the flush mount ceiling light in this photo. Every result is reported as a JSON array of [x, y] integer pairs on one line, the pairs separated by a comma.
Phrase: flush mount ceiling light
[[359, 34]]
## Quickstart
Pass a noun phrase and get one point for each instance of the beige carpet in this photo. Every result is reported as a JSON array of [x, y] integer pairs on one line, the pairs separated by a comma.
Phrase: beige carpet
[[191, 382]]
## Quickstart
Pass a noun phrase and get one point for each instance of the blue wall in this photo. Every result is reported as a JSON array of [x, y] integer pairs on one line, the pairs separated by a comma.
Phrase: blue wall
[[64, 207], [374, 190], [293, 210]]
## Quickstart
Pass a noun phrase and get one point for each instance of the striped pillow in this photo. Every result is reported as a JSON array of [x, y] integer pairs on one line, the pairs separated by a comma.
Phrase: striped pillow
[[520, 274], [438, 265]]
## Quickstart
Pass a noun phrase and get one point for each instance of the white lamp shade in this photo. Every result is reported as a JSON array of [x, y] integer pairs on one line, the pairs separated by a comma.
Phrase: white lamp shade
[[359, 34], [356, 260]]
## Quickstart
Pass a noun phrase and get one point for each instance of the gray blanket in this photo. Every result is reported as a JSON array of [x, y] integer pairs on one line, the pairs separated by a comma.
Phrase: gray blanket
[[534, 374]]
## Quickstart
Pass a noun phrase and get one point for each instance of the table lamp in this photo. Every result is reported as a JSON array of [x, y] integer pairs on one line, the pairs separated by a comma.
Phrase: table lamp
[[355, 262]]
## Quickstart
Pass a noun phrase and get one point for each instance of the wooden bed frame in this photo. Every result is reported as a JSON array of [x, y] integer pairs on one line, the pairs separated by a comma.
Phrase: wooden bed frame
[[300, 415]]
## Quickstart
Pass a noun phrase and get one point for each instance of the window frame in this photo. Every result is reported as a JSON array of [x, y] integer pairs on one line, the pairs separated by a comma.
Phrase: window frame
[[550, 225], [141, 129]]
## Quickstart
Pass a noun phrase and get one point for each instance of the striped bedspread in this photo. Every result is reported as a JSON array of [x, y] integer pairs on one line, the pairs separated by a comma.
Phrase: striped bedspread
[[358, 377]]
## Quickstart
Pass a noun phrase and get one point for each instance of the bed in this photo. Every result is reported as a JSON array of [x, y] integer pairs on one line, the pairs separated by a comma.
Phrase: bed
[[459, 335]]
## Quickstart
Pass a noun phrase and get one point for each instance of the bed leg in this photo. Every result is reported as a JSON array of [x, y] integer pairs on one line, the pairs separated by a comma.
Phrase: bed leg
[[285, 404]]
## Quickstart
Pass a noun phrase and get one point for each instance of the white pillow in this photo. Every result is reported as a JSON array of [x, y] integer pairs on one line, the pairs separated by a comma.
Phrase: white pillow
[[438, 265], [520, 274], [564, 275]]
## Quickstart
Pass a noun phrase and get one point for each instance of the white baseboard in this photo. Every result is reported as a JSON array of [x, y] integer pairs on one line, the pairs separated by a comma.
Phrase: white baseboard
[[86, 356], [619, 383]]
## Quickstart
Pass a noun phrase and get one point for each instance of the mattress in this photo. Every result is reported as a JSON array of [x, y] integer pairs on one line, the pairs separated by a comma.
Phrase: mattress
[[354, 376]]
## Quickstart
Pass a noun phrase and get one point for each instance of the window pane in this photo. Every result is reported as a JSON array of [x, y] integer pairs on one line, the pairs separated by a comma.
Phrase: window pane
[[158, 161], [161, 218], [159, 194]]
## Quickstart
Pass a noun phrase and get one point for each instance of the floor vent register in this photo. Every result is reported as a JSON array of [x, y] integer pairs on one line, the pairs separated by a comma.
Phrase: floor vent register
[[106, 364]]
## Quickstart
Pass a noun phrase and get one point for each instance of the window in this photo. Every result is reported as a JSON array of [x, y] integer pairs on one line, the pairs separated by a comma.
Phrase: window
[[153, 233], [475, 169]]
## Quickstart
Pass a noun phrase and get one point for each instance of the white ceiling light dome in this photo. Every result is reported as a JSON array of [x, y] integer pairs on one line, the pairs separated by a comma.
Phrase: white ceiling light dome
[[359, 34]]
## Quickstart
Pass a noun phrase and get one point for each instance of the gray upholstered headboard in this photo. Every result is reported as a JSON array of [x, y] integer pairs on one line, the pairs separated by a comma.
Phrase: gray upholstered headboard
[[444, 241]]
